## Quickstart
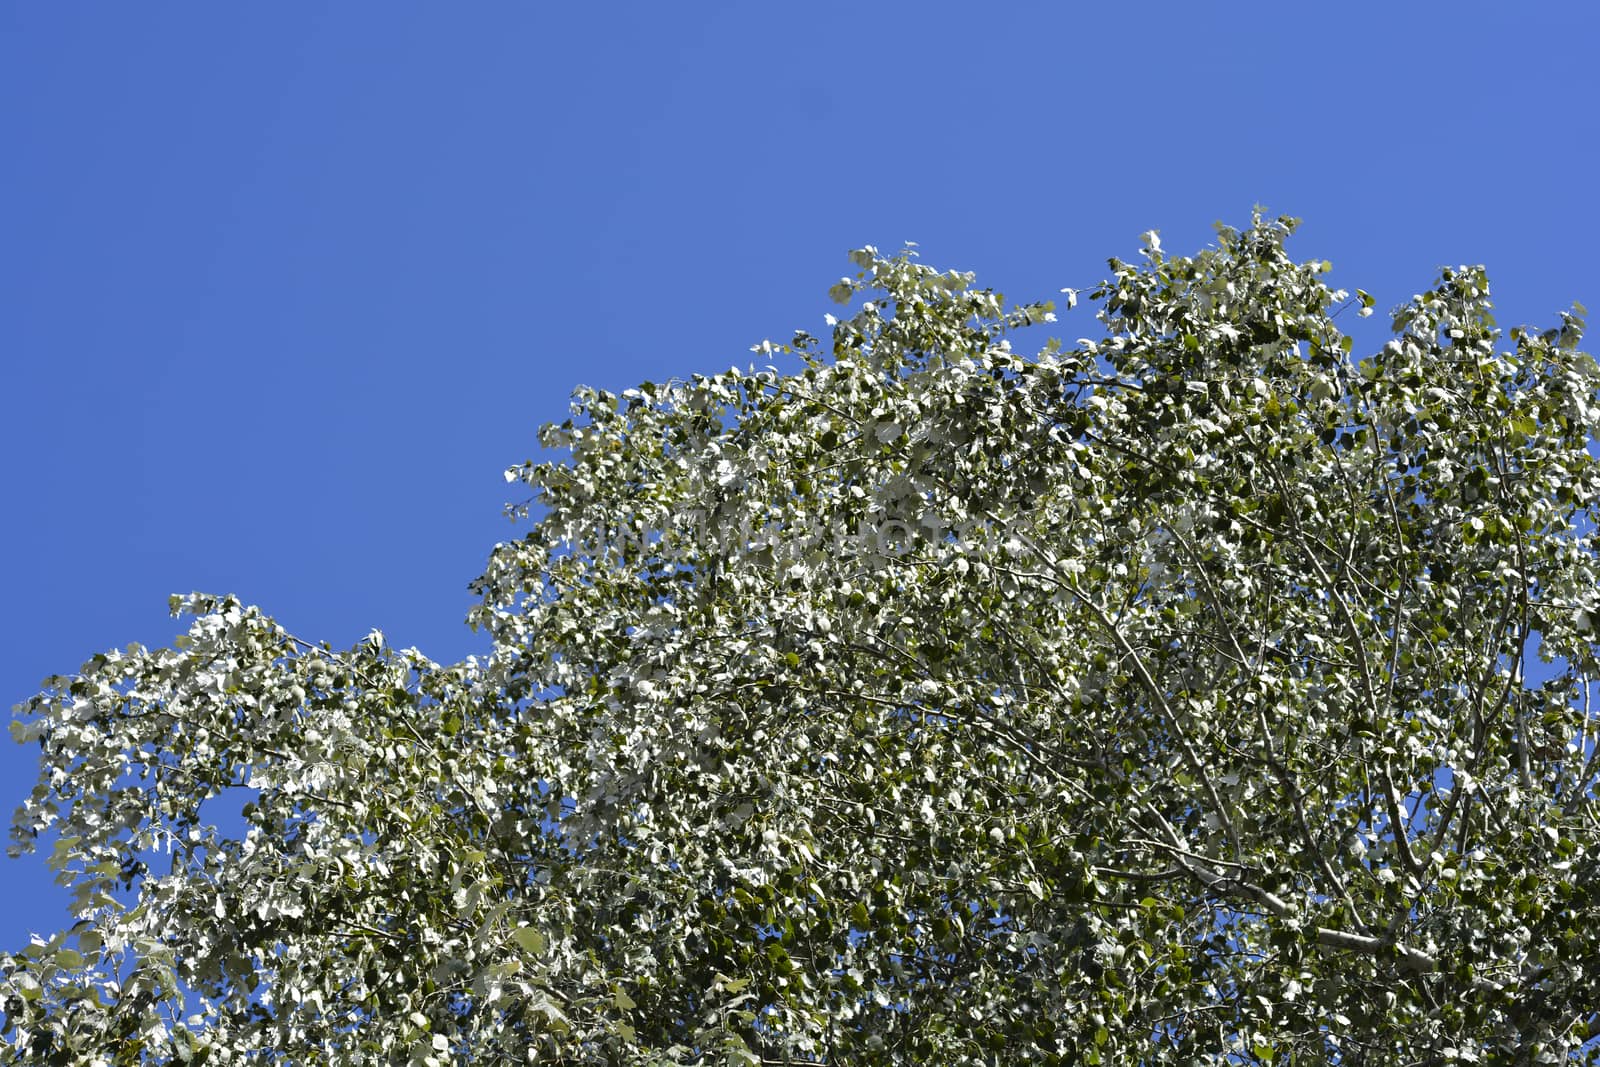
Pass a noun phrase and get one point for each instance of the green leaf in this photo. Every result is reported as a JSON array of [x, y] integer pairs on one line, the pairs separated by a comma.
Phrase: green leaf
[[529, 939]]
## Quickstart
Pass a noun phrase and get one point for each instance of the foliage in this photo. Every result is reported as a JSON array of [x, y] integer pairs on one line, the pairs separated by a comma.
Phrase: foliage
[[1193, 694]]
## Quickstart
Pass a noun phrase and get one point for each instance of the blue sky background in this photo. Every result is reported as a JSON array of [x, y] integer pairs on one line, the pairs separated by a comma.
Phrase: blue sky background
[[286, 287]]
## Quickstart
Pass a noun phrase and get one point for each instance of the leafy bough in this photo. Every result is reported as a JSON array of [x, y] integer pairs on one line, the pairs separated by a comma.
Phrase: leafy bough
[[1164, 697]]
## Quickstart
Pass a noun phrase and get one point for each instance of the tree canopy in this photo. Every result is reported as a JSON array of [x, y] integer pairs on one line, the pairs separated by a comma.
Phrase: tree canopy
[[1194, 692]]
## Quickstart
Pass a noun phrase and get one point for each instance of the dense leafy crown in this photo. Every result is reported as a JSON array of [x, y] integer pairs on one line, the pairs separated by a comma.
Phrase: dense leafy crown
[[1193, 694]]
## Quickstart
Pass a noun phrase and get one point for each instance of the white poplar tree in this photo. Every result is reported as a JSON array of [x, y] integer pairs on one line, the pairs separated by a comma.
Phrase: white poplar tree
[[1191, 693]]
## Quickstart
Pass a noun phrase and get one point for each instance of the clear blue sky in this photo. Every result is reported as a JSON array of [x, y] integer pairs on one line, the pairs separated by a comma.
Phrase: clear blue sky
[[286, 287]]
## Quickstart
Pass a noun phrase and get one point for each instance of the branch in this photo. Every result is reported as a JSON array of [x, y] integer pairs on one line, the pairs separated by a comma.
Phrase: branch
[[1397, 825], [1410, 959], [1190, 757]]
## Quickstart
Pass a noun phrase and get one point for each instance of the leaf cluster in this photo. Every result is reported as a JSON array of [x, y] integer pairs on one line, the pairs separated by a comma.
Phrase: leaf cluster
[[1193, 692]]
